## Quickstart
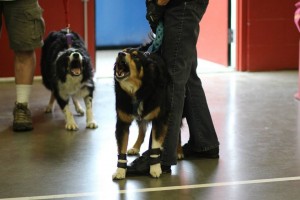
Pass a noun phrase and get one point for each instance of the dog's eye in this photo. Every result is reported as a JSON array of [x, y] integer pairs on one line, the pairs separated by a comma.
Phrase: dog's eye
[[134, 56]]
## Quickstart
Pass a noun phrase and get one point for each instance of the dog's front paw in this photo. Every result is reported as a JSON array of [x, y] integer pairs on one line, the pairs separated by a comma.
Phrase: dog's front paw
[[155, 170], [48, 109], [92, 125], [119, 174], [180, 156], [133, 151], [71, 126]]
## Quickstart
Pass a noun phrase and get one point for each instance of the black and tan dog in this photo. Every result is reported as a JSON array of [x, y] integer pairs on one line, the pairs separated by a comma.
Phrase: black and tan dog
[[67, 72], [141, 96]]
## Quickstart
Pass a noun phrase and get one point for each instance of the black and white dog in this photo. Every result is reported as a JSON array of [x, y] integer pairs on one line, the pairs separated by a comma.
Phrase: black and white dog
[[67, 72]]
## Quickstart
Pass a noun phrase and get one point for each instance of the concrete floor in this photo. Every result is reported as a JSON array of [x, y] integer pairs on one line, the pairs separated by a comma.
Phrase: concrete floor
[[255, 114]]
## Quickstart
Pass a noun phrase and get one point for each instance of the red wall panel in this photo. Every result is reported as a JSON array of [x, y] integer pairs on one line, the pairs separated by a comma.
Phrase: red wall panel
[[55, 19], [268, 38], [213, 38], [6, 55]]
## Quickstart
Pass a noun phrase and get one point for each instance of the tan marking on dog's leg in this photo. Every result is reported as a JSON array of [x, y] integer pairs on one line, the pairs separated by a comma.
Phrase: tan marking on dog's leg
[[90, 122], [50, 105], [138, 143], [78, 107], [154, 113], [124, 143], [125, 117], [70, 122]]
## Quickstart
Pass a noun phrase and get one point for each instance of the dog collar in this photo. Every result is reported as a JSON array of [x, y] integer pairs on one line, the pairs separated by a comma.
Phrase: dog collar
[[69, 40]]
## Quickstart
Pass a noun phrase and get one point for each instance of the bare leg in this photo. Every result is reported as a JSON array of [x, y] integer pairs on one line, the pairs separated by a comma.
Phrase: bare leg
[[25, 62]]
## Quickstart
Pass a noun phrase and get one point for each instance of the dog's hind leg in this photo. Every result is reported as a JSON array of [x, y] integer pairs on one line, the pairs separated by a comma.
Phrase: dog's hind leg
[[77, 105], [180, 154], [50, 105], [138, 143], [90, 122]]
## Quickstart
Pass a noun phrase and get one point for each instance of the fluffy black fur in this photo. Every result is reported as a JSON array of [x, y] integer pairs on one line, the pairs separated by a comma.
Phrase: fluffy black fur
[[54, 70], [152, 91], [67, 70], [141, 96]]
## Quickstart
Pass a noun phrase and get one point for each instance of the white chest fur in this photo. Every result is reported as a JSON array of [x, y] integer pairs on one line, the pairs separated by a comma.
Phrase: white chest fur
[[71, 87]]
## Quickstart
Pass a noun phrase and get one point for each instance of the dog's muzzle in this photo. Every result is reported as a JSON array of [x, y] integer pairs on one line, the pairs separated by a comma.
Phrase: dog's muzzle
[[75, 68], [121, 67]]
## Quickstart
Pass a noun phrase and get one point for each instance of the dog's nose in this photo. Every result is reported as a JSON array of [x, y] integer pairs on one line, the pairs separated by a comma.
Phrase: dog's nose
[[75, 55], [122, 54]]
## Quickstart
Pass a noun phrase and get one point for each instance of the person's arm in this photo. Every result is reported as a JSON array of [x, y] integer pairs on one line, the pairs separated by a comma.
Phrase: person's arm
[[162, 2], [155, 12]]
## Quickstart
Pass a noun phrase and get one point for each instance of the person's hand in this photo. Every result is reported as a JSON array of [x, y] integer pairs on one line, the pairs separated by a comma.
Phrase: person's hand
[[155, 12], [162, 2]]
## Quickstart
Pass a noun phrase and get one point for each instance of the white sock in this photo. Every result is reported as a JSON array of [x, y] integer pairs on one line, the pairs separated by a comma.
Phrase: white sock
[[23, 93]]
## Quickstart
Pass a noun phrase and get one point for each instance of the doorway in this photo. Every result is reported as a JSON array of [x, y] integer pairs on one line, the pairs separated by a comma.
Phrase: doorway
[[217, 40]]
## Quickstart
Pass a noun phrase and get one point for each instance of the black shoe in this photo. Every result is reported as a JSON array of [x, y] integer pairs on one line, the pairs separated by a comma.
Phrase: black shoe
[[189, 153], [141, 166]]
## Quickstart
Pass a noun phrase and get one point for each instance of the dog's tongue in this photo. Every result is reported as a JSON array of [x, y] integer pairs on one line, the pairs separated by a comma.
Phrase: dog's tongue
[[76, 71]]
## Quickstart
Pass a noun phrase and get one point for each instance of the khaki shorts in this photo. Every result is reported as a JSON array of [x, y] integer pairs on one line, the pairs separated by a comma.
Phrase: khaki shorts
[[24, 23]]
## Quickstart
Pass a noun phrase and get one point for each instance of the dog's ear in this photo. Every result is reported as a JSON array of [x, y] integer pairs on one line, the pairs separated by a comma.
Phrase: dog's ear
[[61, 67], [87, 68]]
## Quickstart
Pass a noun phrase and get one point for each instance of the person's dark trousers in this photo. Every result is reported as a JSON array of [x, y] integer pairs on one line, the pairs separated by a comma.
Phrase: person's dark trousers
[[181, 29]]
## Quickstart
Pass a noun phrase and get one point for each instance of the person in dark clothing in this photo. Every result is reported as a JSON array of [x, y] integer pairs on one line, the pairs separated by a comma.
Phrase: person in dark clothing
[[181, 29]]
